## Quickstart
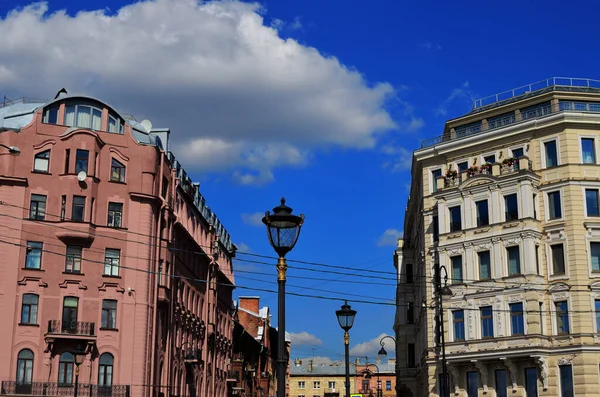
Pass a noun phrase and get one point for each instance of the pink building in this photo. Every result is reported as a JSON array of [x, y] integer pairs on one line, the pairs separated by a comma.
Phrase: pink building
[[106, 247]]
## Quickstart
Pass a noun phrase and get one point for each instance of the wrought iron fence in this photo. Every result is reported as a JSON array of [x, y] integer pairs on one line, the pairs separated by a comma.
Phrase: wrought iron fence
[[9, 388], [71, 328]]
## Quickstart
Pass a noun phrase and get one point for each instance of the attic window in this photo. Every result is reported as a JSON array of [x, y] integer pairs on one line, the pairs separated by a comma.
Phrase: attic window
[[83, 116], [114, 124], [51, 115]]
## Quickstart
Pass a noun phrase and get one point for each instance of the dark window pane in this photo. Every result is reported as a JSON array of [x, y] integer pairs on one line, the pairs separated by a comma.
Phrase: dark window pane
[[562, 317], [490, 159], [588, 151], [516, 319], [455, 219], [409, 273], [436, 229], [531, 382], [511, 207], [115, 214], [501, 383], [554, 205], [81, 161], [462, 166], [558, 259], [483, 218], [566, 380], [117, 171], [514, 260], [78, 210], [472, 383], [595, 256], [458, 318], [517, 153], [551, 154], [457, 270], [484, 265], [591, 202], [33, 256], [487, 322], [434, 176], [37, 207]]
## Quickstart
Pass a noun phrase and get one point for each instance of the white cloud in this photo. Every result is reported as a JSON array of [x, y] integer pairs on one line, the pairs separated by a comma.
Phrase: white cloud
[[401, 158], [253, 219], [389, 237], [243, 247], [371, 348], [463, 93], [428, 45], [304, 338], [296, 24], [236, 95]]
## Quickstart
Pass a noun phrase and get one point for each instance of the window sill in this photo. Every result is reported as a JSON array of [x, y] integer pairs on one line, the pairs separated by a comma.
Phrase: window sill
[[110, 276], [28, 325], [33, 269], [41, 172], [73, 273], [117, 182], [109, 329]]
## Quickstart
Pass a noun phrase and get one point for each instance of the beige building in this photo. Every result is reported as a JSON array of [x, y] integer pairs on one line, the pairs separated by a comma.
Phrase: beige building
[[308, 380], [506, 204]]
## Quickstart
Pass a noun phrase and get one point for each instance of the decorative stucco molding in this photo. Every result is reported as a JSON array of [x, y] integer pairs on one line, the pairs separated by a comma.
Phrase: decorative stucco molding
[[116, 286], [27, 279], [79, 283]]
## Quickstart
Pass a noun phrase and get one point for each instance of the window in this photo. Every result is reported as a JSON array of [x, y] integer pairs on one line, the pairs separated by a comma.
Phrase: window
[[78, 210], [562, 317], [457, 271], [105, 370], [435, 174], [67, 160], [458, 319], [83, 116], [483, 217], [388, 385], [455, 219], [514, 260], [485, 265], [37, 207], [534, 206], [69, 315], [115, 214], [73, 259], [591, 202], [29, 309], [487, 322], [301, 384], [554, 205], [595, 256], [462, 166], [117, 171], [81, 161], [366, 384], [588, 151], [566, 380], [597, 313], [63, 207], [558, 259], [410, 313], [511, 207], [517, 152], [111, 262], [316, 385], [331, 385], [411, 355], [472, 383], [541, 313], [33, 256], [436, 228], [65, 369], [114, 125], [51, 115], [501, 383], [551, 154], [24, 371], [409, 273], [109, 314], [531, 382], [516, 319], [41, 161], [489, 159]]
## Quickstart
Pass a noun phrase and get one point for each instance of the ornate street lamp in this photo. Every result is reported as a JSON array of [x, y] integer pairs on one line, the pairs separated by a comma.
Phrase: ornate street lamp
[[382, 353], [283, 230], [79, 356], [345, 317], [443, 291], [13, 150]]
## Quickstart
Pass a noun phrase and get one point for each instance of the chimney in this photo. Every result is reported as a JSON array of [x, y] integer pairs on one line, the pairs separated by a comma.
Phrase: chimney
[[249, 303], [357, 361], [391, 361], [310, 365]]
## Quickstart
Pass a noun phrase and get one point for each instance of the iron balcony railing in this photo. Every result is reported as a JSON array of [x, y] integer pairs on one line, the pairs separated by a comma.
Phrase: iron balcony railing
[[12, 388], [71, 328]]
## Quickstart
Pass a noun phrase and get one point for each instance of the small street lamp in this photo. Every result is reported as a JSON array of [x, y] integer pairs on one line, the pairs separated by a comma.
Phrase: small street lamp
[[382, 353], [345, 317], [283, 230], [13, 150], [443, 291], [79, 356]]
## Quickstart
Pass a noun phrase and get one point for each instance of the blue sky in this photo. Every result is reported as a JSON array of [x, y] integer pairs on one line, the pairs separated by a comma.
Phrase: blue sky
[[318, 101]]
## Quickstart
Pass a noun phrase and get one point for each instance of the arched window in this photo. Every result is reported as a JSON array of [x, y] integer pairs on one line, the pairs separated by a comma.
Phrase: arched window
[[66, 365], [105, 370], [24, 367]]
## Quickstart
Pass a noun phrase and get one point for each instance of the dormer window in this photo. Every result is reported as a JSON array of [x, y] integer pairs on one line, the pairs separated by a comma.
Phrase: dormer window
[[115, 125], [83, 116], [51, 115]]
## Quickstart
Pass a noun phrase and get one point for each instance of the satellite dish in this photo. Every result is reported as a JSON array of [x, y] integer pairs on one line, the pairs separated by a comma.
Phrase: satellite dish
[[81, 176], [147, 125]]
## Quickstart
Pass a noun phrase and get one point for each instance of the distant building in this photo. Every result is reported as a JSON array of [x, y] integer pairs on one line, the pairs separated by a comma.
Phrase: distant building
[[308, 380], [505, 203], [106, 245]]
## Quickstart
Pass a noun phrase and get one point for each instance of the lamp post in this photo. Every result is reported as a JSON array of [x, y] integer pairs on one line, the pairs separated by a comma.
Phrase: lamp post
[[345, 317], [382, 353], [79, 355], [445, 291], [13, 150], [368, 376], [283, 230]]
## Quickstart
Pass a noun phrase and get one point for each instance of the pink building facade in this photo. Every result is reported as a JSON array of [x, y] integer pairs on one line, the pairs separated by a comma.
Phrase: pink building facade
[[107, 248]]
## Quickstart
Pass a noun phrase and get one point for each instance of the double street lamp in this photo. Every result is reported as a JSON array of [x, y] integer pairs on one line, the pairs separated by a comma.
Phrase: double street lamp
[[283, 229], [345, 317]]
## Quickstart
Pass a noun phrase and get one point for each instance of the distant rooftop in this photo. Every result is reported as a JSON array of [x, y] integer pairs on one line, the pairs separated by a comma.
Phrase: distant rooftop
[[562, 84]]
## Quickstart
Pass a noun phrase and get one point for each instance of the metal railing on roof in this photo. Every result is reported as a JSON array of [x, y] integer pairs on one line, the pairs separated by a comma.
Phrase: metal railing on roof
[[9, 102], [538, 85]]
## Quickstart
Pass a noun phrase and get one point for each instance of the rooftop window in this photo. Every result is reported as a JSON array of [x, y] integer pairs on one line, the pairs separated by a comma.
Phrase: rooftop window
[[539, 110], [468, 129], [83, 115]]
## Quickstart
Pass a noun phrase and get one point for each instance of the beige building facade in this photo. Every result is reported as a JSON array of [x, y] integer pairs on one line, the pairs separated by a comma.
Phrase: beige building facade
[[504, 210]]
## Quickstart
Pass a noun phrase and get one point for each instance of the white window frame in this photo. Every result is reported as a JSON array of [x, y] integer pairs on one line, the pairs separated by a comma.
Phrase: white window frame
[[588, 186], [503, 195], [508, 322], [452, 204], [465, 160], [560, 297], [595, 138], [433, 181], [316, 384], [480, 197], [483, 156], [592, 273], [301, 384], [477, 271], [595, 295], [556, 236], [522, 147], [543, 150], [521, 262], [331, 384], [547, 204], [450, 317], [47, 170]]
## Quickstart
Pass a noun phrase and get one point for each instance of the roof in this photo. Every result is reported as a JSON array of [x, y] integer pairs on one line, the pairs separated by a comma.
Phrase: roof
[[321, 370]]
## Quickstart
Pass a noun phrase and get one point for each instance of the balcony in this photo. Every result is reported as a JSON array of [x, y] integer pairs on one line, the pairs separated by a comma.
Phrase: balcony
[[71, 329], [13, 388], [233, 376]]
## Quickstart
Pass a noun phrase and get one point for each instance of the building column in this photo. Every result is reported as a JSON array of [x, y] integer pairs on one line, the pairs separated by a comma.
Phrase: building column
[[443, 217], [526, 201]]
